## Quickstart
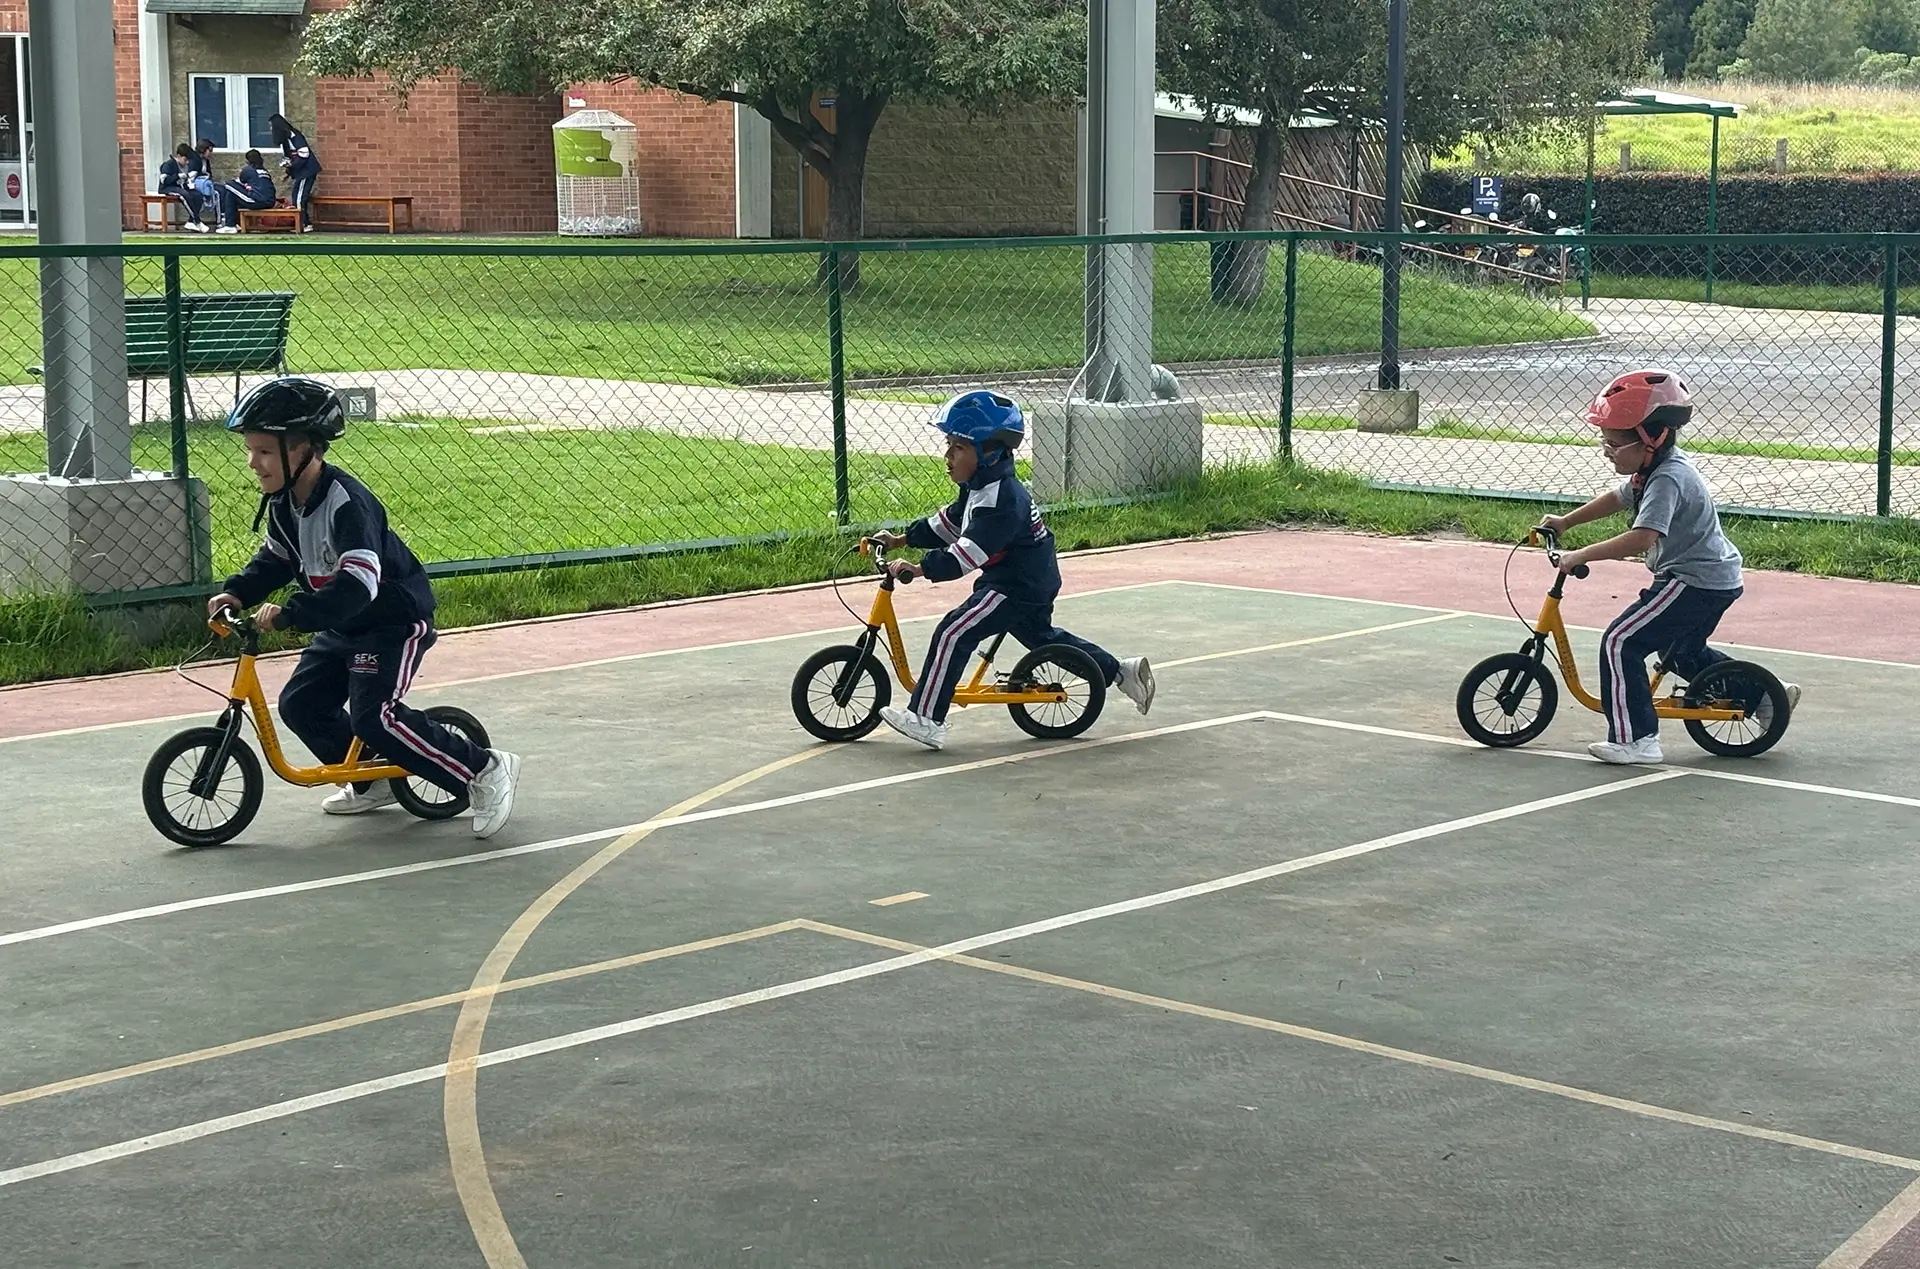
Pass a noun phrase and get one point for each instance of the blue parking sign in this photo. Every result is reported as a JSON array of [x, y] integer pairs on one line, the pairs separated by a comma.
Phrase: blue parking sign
[[1486, 195]]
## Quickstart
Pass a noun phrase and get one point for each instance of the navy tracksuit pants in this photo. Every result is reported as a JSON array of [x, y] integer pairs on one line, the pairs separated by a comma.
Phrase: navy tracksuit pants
[[347, 686], [1669, 616], [984, 614]]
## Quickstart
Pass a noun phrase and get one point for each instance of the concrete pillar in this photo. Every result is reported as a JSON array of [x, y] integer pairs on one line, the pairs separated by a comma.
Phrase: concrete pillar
[[1122, 430], [82, 305], [92, 523]]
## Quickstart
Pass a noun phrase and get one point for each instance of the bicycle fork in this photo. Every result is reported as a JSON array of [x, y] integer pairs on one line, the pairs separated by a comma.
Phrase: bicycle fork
[[213, 763]]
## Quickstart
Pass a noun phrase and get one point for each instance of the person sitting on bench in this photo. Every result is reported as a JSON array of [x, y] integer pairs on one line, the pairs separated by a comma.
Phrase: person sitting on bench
[[176, 181], [252, 192]]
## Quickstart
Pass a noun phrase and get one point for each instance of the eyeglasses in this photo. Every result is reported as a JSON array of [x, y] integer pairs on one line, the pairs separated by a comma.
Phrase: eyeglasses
[[1612, 447]]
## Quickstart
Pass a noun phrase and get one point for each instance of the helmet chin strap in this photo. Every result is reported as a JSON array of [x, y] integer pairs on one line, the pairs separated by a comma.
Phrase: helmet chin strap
[[292, 477]]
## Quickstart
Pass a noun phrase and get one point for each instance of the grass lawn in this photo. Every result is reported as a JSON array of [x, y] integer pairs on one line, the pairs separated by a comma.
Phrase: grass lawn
[[57, 636], [1804, 296], [1828, 128], [759, 319]]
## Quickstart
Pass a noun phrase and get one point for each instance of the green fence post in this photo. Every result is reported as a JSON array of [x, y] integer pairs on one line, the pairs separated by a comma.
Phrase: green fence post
[[837, 369], [1286, 352], [177, 409], [1889, 312], [1713, 202]]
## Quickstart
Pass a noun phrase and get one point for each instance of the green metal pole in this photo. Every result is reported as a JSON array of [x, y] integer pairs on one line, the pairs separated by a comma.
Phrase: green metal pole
[[836, 357], [1286, 352], [1889, 312], [1713, 202], [177, 408], [1586, 221]]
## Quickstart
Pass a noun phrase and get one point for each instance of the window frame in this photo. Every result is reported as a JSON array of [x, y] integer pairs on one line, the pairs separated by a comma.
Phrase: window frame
[[237, 102]]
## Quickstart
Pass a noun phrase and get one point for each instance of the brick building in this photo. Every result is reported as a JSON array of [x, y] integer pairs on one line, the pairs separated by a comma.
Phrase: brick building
[[479, 162]]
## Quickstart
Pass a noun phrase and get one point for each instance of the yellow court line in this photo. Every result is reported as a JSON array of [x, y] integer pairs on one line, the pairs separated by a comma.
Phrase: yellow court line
[[1645, 1110], [460, 1092], [350, 1021], [890, 900]]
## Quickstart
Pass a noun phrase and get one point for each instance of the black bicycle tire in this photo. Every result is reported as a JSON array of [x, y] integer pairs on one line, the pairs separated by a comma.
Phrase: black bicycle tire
[[1505, 662], [153, 797], [1697, 692], [803, 677], [1068, 658], [403, 791]]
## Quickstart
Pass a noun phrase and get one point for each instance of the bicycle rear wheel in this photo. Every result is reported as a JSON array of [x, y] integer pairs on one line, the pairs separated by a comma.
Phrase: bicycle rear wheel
[[1747, 687], [1055, 666], [424, 798]]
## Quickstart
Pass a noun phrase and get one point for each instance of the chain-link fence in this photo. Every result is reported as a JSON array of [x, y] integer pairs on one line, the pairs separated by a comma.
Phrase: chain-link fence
[[554, 402]]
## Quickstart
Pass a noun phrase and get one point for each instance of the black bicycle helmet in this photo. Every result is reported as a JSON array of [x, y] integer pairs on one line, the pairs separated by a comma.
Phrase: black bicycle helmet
[[286, 407], [291, 406]]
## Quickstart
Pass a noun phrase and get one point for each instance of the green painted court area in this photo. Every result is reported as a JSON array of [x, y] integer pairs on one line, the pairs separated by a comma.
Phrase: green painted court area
[[1286, 972]]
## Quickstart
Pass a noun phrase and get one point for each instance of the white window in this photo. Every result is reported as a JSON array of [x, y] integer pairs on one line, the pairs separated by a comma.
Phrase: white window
[[231, 110]]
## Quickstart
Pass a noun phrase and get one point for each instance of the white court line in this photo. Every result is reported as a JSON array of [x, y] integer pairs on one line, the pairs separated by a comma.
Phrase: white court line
[[1707, 773], [544, 669], [1885, 1226], [724, 1004], [794, 799], [580, 839], [1301, 643], [1508, 616]]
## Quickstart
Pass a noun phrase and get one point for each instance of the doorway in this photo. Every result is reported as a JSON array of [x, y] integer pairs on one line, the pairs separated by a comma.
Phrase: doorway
[[813, 186]]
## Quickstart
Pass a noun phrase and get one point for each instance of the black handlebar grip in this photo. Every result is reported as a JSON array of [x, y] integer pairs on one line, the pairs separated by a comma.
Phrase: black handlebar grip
[[1580, 570]]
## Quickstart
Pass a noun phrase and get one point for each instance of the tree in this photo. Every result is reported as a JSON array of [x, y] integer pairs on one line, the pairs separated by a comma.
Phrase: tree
[[1719, 26], [1672, 41], [1887, 26], [1797, 40], [1474, 68], [773, 56]]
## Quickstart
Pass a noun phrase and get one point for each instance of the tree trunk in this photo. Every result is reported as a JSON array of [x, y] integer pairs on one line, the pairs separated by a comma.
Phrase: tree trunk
[[1240, 268], [847, 184]]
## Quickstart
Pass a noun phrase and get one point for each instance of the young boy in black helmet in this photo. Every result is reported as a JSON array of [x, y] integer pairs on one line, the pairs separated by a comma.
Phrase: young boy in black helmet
[[363, 595]]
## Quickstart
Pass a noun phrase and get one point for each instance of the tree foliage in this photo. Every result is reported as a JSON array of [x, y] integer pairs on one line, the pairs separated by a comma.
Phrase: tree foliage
[[773, 56], [1796, 40], [1719, 28], [1672, 41], [1474, 68]]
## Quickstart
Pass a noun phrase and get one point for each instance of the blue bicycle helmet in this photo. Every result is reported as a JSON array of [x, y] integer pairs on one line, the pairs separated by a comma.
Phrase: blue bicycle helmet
[[984, 418]]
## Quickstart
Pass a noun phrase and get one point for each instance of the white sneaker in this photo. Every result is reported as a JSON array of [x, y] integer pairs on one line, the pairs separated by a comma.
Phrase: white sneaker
[[491, 792], [914, 727], [306, 229], [1793, 696], [228, 229], [1136, 682], [349, 802], [1645, 750]]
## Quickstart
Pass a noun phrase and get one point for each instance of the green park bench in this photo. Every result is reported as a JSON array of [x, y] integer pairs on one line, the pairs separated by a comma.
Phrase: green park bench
[[233, 333]]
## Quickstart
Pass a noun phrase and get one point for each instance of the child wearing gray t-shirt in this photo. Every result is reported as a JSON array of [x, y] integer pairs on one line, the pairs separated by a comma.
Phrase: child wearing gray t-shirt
[[1675, 524]]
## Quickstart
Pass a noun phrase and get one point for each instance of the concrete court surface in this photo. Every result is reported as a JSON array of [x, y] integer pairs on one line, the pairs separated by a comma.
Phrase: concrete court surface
[[1287, 973]]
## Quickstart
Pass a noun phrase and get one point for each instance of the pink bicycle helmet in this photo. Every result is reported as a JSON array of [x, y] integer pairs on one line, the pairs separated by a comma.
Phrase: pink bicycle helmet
[[1651, 402]]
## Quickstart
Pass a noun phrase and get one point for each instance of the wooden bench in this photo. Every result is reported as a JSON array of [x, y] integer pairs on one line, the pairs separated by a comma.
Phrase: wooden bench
[[156, 212], [286, 219], [334, 212], [223, 333]]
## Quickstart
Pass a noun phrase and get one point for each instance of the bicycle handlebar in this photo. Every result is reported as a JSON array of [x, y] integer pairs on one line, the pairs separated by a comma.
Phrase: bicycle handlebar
[[1550, 538], [878, 550]]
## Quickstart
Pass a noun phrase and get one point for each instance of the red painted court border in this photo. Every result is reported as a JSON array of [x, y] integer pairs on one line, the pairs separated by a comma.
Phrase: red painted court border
[[1825, 616]]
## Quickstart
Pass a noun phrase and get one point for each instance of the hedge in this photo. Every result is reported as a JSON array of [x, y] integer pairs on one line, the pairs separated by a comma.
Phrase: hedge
[[1661, 203]]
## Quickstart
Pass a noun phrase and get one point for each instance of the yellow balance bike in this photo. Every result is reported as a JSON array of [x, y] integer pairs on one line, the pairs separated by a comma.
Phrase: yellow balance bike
[[1054, 692], [1733, 709], [202, 786]]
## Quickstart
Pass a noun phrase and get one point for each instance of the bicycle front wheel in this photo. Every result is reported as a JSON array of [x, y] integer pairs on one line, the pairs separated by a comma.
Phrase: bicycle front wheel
[[226, 799], [1506, 700]]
